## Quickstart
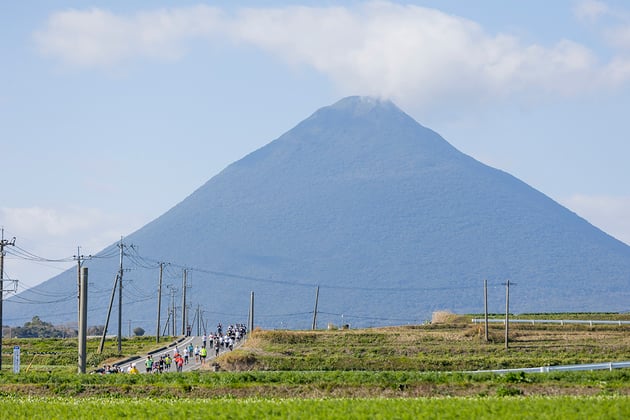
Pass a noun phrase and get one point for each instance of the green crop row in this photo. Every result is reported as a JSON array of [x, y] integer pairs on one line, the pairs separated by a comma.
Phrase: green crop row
[[619, 377], [343, 408]]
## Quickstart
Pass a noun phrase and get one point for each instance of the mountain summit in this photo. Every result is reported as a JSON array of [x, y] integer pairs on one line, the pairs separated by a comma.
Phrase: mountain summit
[[383, 214]]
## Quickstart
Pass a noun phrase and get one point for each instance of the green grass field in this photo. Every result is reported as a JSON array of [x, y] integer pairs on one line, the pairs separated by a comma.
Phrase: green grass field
[[373, 408], [60, 354]]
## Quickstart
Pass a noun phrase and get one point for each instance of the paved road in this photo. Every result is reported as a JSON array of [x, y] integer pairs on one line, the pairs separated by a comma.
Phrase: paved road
[[170, 348]]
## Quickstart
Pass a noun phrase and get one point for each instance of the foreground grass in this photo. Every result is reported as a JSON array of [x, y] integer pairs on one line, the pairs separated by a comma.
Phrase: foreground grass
[[442, 408], [324, 384]]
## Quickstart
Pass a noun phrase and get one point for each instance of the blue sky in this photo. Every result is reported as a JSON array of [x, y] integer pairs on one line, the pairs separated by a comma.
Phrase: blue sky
[[111, 112]]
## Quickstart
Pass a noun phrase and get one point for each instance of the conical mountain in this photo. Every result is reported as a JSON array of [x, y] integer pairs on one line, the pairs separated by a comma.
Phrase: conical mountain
[[383, 214]]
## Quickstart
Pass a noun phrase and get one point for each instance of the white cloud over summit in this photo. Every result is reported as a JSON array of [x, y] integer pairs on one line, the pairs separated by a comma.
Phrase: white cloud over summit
[[379, 48]]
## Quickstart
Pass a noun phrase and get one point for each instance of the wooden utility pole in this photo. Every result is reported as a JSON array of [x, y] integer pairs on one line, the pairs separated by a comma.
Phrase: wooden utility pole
[[184, 303], [314, 327], [172, 309], [159, 304], [507, 313], [202, 323], [168, 318], [80, 260], [485, 307], [78, 257], [198, 316], [109, 312], [251, 314], [120, 299], [83, 319], [3, 243]]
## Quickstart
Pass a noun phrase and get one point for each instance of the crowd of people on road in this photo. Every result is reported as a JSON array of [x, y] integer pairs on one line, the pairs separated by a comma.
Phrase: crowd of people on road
[[107, 369], [219, 341], [222, 340]]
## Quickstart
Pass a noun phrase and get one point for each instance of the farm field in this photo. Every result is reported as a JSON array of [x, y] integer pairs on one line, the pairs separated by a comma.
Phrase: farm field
[[60, 354], [452, 345], [401, 372]]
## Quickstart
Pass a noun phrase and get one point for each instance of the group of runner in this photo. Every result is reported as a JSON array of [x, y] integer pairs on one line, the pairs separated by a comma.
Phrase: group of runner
[[107, 369], [219, 341], [164, 362], [223, 340]]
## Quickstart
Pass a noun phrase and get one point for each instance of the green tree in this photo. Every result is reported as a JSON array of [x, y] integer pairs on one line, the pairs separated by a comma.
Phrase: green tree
[[38, 328]]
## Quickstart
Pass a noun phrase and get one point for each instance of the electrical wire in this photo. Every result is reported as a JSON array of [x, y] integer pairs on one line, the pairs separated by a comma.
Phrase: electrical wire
[[27, 255]]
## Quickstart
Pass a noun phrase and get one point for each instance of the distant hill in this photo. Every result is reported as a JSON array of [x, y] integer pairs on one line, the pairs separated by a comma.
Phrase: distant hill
[[388, 218]]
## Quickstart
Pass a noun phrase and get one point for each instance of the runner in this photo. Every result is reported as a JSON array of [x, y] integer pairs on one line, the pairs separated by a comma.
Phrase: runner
[[191, 348], [148, 364], [203, 353], [179, 362]]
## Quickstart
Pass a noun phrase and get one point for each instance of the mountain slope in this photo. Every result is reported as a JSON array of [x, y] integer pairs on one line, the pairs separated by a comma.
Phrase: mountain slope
[[383, 214]]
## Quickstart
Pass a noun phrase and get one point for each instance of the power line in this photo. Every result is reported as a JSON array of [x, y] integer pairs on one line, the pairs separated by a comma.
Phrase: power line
[[299, 284]]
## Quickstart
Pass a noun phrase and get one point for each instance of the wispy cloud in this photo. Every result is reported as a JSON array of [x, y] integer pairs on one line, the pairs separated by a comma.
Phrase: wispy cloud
[[619, 36], [408, 53], [40, 230], [609, 213], [99, 38], [590, 10], [62, 228], [49, 221], [613, 24]]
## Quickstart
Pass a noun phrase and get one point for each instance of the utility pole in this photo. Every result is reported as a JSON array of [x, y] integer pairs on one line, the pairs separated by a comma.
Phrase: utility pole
[[485, 306], [109, 312], [159, 305], [174, 312], [184, 303], [250, 327], [83, 320], [120, 289], [190, 327], [167, 323], [80, 259], [3, 243], [202, 323], [198, 321], [315, 311], [507, 311], [172, 291]]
